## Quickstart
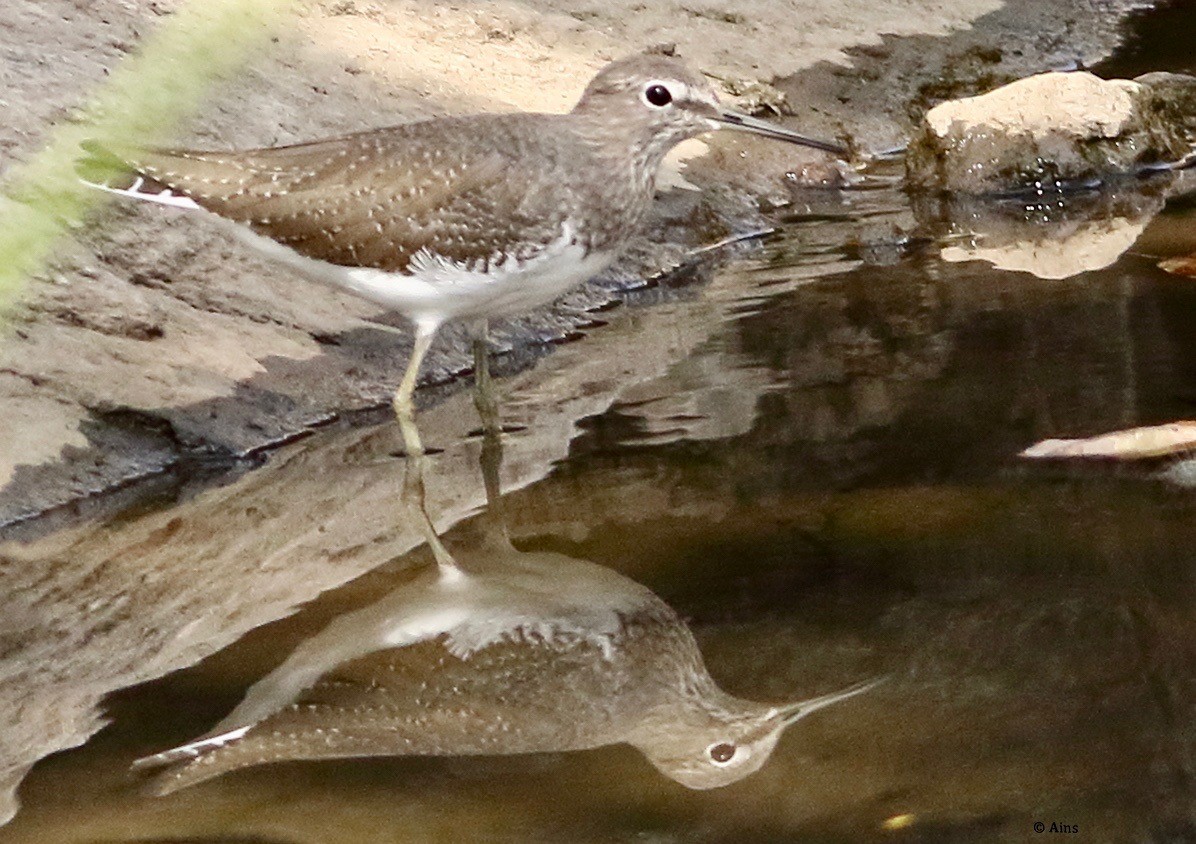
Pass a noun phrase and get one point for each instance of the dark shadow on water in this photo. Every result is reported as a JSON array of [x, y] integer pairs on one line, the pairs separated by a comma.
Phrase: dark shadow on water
[[1157, 39]]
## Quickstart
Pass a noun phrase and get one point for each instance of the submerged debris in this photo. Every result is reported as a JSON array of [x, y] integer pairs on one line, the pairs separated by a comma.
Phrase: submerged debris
[[1143, 443], [1185, 265]]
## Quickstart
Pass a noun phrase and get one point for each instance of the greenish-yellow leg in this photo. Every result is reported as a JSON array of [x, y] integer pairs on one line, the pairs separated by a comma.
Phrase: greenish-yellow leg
[[414, 489], [404, 400]]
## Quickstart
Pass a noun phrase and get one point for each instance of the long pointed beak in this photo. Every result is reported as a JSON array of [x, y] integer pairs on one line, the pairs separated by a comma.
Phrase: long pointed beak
[[797, 711], [746, 123]]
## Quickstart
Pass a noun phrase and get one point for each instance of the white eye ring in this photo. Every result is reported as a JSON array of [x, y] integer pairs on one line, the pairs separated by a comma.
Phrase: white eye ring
[[657, 95], [722, 753]]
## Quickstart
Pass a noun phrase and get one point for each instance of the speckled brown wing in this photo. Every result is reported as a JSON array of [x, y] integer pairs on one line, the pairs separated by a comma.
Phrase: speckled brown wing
[[377, 198], [512, 698]]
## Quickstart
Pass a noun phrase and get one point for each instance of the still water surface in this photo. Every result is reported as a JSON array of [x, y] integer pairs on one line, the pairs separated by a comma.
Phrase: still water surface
[[797, 475]]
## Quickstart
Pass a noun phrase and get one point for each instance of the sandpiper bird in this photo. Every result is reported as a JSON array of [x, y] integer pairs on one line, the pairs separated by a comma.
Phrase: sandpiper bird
[[457, 218]]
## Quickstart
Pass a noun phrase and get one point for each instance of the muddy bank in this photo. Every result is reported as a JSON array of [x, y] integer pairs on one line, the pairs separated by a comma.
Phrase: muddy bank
[[156, 340]]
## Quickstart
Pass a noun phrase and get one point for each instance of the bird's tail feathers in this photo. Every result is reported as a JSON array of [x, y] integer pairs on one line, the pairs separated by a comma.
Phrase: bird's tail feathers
[[105, 170]]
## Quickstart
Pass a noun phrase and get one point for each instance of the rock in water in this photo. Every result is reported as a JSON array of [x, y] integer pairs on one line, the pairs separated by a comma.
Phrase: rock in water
[[1065, 128], [1171, 97]]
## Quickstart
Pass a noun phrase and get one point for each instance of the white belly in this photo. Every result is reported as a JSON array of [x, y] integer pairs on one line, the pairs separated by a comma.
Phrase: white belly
[[436, 290]]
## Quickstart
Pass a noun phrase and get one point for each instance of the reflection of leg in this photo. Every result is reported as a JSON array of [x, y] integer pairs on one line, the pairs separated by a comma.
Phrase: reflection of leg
[[415, 497], [404, 400], [495, 522], [483, 387], [487, 404]]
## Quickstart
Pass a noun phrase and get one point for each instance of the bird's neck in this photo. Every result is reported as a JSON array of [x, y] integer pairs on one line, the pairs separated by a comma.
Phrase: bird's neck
[[627, 150]]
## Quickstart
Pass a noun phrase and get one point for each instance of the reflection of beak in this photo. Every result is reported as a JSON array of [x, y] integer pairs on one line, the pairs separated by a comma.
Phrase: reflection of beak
[[745, 123], [796, 711]]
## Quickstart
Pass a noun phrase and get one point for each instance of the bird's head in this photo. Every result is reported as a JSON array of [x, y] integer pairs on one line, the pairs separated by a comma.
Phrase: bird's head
[[664, 101]]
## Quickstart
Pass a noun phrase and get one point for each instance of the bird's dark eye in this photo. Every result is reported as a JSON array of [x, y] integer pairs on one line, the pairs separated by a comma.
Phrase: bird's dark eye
[[658, 95], [721, 753]]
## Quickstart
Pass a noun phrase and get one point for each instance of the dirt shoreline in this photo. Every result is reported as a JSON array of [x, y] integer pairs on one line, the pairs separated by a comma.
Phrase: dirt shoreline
[[156, 340]]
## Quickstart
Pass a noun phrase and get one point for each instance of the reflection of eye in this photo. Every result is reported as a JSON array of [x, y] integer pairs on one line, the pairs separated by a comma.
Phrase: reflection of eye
[[721, 753]]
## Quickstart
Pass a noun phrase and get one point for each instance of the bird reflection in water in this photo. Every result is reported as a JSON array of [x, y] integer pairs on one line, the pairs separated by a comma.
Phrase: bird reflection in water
[[497, 651]]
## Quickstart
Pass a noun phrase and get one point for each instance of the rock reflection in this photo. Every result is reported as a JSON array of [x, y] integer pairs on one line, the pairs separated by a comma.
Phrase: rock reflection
[[494, 650], [1050, 234]]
